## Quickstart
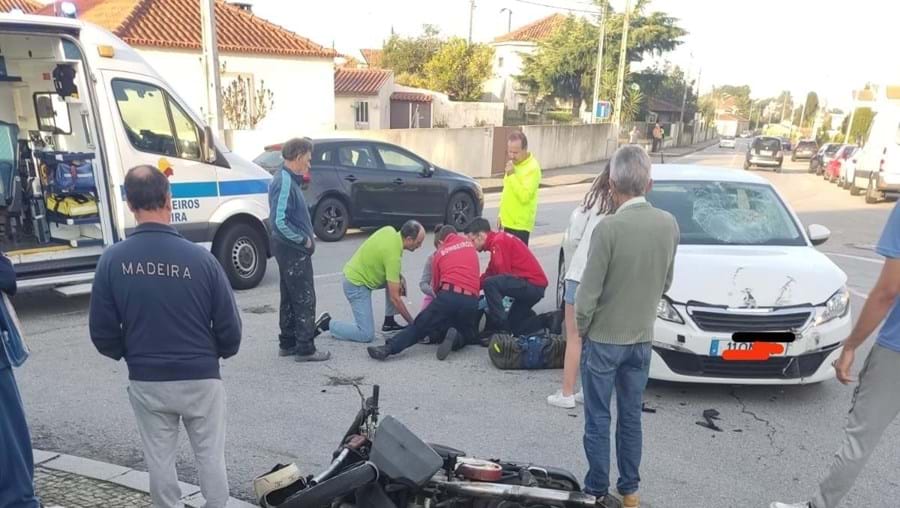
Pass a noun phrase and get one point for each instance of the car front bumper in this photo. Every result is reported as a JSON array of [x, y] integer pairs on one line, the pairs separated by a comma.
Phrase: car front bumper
[[681, 353]]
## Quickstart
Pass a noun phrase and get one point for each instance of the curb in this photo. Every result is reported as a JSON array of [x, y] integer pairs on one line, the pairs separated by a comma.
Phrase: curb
[[120, 475]]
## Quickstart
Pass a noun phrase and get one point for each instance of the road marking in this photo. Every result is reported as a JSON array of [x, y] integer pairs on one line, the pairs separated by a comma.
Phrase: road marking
[[326, 275], [858, 258]]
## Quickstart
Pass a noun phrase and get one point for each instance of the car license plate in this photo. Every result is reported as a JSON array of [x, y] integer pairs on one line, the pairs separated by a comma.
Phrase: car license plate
[[765, 153], [719, 346]]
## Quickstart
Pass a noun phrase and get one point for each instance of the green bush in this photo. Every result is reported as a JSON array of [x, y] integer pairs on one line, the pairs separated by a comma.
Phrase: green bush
[[560, 116]]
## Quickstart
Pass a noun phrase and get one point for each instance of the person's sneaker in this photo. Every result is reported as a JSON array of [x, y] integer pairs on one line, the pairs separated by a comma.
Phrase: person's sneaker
[[378, 352], [789, 505], [608, 501], [287, 352], [391, 325], [631, 500], [323, 324], [560, 400], [318, 356], [579, 396], [447, 344]]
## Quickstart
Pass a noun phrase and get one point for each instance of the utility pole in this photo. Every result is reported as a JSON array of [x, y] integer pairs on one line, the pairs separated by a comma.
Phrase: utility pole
[[683, 100], [508, 22], [599, 70], [802, 117], [211, 66], [852, 115], [623, 55], [471, 18], [783, 106]]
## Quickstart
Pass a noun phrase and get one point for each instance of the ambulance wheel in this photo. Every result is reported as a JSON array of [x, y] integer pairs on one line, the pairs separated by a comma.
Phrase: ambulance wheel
[[241, 250], [331, 220]]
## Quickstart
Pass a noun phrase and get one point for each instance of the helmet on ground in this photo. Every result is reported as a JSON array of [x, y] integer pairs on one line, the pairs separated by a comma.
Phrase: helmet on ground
[[274, 487]]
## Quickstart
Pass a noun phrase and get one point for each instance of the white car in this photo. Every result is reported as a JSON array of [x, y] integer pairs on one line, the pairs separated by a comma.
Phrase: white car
[[744, 264], [726, 142]]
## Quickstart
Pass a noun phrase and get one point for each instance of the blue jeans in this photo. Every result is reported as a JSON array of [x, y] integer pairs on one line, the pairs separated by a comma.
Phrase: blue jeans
[[363, 327], [625, 368], [16, 463]]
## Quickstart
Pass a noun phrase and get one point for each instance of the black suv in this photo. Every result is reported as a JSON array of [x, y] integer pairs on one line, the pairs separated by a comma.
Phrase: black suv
[[365, 183], [765, 151]]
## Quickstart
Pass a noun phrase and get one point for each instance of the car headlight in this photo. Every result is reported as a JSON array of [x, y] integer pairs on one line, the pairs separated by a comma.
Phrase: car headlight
[[666, 312], [837, 306]]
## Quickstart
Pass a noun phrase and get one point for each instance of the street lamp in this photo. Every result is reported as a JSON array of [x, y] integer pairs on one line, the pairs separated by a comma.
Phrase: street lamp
[[509, 19]]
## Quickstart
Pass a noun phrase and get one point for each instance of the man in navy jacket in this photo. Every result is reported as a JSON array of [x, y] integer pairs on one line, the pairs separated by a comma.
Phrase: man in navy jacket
[[165, 305], [16, 461]]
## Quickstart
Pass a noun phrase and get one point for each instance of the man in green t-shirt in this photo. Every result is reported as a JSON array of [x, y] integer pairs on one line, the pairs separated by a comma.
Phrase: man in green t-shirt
[[376, 265]]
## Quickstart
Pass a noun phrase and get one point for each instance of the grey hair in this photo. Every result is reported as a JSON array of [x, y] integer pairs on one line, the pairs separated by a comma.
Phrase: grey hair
[[410, 229], [630, 170], [296, 147]]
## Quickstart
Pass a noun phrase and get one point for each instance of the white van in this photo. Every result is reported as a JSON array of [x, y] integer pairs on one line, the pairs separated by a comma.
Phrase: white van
[[78, 108], [878, 162]]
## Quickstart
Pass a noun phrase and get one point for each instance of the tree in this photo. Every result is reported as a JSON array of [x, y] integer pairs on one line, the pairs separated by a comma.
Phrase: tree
[[565, 63], [862, 120], [786, 103], [407, 56], [242, 106], [812, 107], [667, 83], [459, 69]]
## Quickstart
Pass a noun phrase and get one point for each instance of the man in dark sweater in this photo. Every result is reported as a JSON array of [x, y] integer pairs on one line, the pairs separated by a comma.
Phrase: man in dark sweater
[[16, 461], [165, 305], [292, 241]]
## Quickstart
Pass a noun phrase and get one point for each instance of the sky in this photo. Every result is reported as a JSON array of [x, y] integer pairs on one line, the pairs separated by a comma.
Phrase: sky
[[771, 45]]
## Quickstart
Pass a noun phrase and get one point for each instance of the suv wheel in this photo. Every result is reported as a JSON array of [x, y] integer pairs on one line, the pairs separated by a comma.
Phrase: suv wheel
[[331, 220], [872, 194], [241, 250], [854, 190]]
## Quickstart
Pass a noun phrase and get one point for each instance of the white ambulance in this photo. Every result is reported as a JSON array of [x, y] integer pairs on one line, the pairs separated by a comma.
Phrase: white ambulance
[[78, 109]]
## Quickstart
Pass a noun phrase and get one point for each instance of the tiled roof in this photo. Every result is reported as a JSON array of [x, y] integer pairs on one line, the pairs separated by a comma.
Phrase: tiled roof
[[658, 105], [728, 117], [372, 57], [176, 24], [349, 62], [359, 81], [410, 97], [864, 95], [26, 6], [534, 32]]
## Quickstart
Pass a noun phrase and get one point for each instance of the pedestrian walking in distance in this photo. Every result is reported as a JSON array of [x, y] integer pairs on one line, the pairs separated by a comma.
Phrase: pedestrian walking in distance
[[16, 460], [629, 266], [518, 202], [875, 403], [657, 138], [164, 304], [293, 244]]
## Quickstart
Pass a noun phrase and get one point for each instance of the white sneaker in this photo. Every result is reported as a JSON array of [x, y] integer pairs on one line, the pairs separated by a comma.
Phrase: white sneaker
[[560, 400], [787, 505], [579, 397]]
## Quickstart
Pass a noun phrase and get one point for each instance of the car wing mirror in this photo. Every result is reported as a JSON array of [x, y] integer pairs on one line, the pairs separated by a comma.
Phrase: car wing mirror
[[818, 234], [428, 171], [208, 146]]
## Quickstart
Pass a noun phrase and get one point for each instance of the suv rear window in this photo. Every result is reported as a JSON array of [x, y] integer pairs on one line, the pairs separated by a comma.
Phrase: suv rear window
[[773, 144], [806, 144]]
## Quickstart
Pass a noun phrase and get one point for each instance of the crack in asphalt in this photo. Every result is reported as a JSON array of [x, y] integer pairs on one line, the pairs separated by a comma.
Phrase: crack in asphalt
[[770, 434]]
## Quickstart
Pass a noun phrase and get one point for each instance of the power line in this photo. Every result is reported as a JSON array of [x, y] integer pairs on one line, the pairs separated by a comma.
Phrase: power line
[[570, 9]]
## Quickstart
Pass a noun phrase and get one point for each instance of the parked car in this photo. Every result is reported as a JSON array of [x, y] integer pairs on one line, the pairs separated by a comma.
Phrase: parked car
[[878, 162], [726, 142], [364, 183], [823, 157], [744, 263], [786, 145], [805, 149], [848, 169], [765, 151], [833, 171]]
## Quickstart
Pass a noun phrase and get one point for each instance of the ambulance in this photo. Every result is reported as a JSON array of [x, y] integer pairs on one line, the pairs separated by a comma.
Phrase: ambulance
[[78, 109]]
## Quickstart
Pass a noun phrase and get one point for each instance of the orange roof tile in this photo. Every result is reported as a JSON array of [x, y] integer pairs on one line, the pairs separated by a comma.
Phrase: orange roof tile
[[372, 57], [359, 81], [411, 97], [536, 31], [176, 24], [26, 6]]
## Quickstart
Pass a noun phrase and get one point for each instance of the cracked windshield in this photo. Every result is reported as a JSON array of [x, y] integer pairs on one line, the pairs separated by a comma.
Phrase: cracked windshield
[[406, 254]]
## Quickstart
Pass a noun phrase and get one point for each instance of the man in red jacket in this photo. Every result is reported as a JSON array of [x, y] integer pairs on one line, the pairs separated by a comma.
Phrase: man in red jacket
[[514, 272], [455, 279]]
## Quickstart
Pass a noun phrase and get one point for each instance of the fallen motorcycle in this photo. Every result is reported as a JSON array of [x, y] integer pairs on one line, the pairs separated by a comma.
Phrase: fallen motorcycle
[[384, 465]]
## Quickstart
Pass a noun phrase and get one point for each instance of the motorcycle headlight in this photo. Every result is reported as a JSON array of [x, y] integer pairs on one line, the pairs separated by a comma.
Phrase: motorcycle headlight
[[837, 306], [666, 312]]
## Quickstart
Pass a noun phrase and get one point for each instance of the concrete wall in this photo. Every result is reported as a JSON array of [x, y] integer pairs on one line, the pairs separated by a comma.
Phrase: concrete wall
[[303, 88], [467, 114], [557, 146]]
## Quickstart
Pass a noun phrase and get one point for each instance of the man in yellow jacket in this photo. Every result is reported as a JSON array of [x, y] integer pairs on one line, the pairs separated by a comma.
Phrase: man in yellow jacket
[[518, 203]]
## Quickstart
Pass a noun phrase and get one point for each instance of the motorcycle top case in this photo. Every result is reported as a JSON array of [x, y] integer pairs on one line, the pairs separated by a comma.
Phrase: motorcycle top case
[[402, 456], [542, 350]]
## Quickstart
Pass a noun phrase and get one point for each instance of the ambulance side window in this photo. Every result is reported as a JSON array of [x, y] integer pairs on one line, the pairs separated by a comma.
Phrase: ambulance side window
[[154, 123]]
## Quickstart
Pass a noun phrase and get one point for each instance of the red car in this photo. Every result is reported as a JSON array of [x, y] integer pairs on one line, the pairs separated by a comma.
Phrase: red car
[[833, 169]]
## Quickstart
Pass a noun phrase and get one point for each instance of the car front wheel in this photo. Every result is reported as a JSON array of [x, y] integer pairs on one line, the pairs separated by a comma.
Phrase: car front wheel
[[241, 250], [331, 220], [460, 210], [872, 194]]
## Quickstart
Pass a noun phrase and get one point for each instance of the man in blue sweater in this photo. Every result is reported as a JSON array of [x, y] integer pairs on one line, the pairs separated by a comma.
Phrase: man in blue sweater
[[165, 305], [293, 245]]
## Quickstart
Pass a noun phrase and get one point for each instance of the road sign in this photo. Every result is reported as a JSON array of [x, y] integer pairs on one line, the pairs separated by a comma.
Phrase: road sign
[[602, 109]]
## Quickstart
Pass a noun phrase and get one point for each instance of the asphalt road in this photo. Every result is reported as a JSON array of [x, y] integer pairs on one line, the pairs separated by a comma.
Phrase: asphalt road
[[776, 444]]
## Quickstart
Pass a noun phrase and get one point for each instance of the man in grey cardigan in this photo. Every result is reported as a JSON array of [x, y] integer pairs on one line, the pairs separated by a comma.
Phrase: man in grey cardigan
[[629, 267]]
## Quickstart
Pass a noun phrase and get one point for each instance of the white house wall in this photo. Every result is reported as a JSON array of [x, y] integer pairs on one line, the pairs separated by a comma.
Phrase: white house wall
[[303, 88], [502, 85]]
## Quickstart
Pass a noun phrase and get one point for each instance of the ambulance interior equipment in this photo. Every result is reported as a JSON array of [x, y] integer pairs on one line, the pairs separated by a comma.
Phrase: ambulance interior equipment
[[51, 178]]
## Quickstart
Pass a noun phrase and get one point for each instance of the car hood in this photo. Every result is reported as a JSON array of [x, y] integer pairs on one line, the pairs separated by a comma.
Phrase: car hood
[[761, 276]]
